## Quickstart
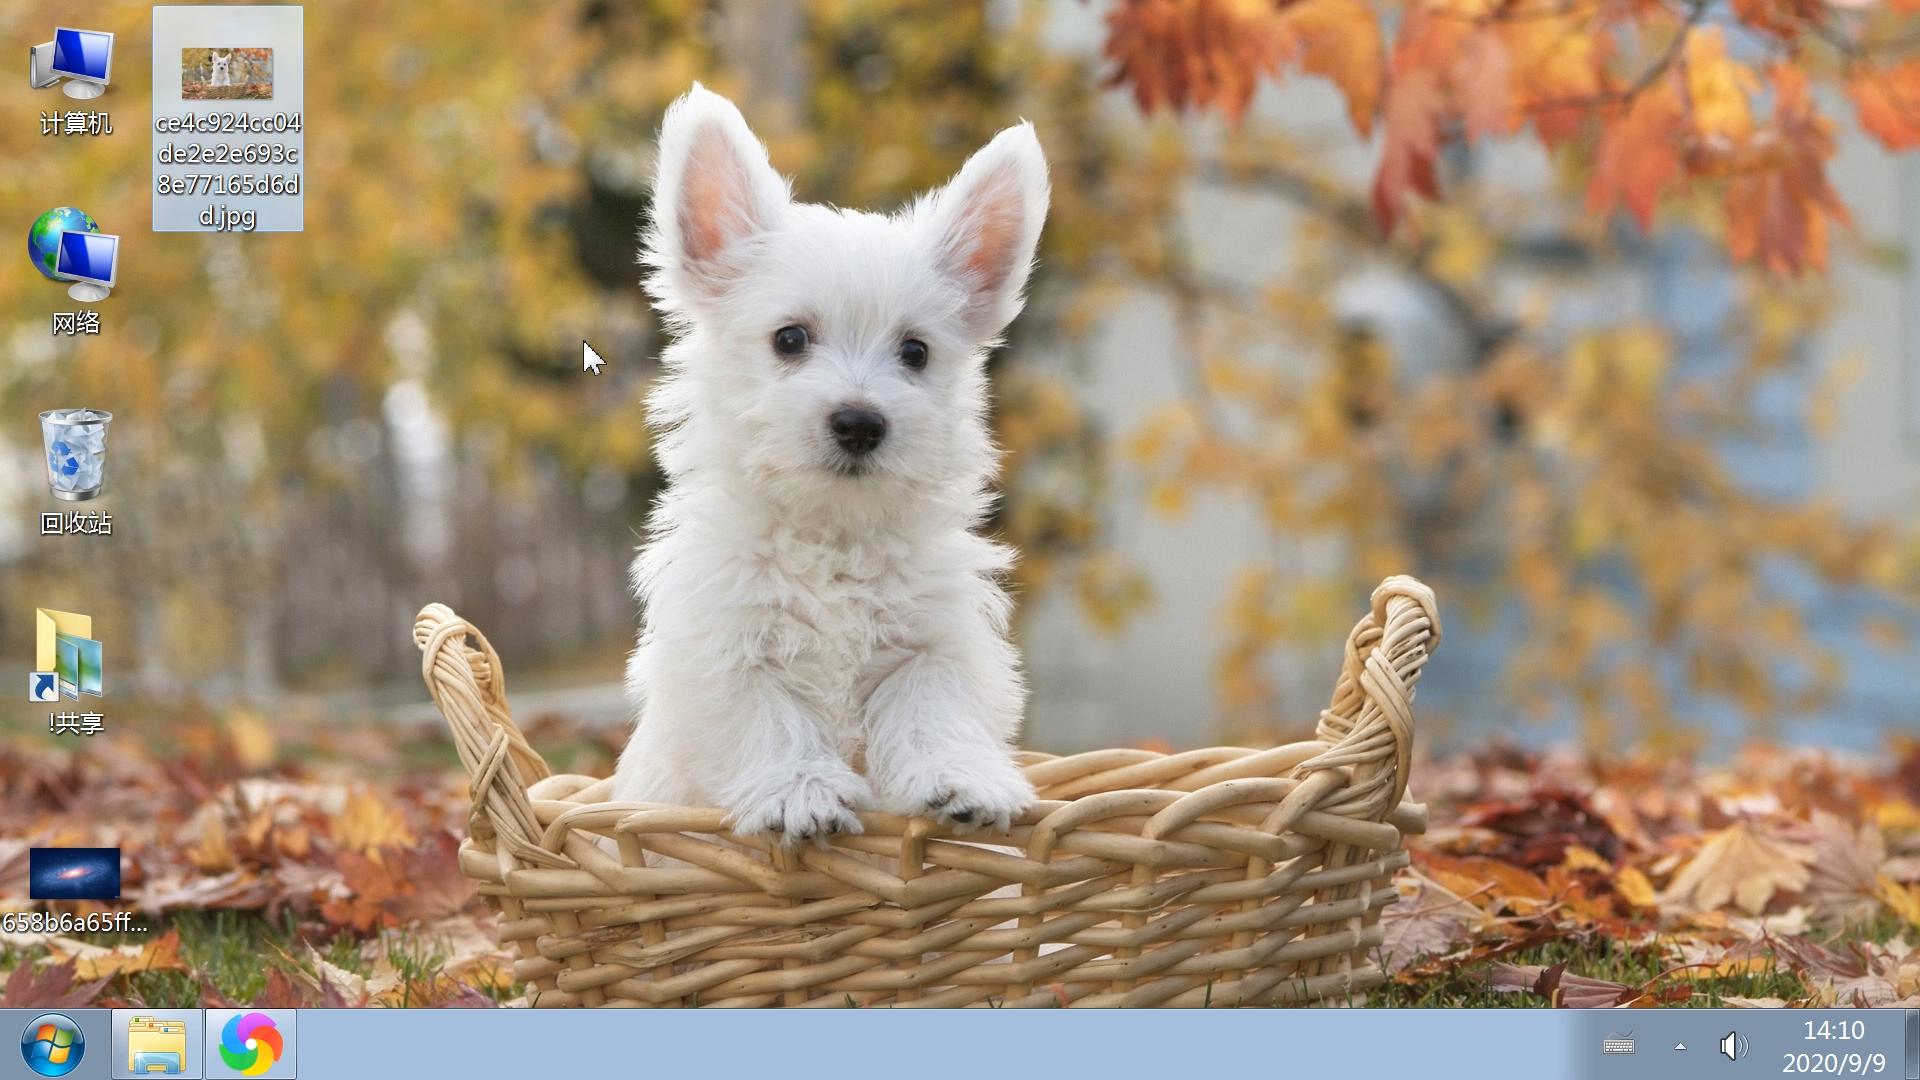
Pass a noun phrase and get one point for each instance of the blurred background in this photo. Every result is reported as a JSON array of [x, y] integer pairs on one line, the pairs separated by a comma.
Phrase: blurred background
[[1666, 498]]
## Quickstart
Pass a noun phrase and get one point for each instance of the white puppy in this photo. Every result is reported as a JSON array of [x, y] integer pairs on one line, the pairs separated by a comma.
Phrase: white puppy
[[823, 630]]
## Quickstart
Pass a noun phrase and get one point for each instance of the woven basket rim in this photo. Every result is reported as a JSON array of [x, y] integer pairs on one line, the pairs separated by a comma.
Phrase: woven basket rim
[[1284, 854]]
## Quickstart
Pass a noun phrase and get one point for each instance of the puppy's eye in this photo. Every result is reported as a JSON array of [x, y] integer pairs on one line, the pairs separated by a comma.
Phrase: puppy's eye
[[913, 353], [790, 340]]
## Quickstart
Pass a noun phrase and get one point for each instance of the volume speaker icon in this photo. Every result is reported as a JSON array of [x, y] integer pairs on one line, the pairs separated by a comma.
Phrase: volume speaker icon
[[1734, 1045], [250, 1044]]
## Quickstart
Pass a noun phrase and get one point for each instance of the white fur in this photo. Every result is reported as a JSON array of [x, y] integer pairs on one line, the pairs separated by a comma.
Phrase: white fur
[[221, 70], [816, 642]]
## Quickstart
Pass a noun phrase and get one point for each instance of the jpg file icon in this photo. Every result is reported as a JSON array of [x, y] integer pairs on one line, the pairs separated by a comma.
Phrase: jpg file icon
[[86, 873]]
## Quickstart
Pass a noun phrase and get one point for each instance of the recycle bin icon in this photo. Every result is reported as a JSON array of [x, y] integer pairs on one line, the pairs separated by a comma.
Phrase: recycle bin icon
[[76, 451]]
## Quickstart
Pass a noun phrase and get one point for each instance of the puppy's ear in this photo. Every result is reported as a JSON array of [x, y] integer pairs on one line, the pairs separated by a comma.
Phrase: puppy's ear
[[713, 190], [986, 223]]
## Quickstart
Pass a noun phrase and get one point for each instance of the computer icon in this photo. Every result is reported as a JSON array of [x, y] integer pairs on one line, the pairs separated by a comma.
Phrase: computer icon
[[40, 66], [84, 58], [90, 260]]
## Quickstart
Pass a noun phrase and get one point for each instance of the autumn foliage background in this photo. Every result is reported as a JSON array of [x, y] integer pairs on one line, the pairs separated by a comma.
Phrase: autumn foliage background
[[316, 433]]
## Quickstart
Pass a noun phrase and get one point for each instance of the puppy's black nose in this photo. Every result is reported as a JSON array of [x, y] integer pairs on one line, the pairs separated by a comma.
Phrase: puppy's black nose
[[857, 431]]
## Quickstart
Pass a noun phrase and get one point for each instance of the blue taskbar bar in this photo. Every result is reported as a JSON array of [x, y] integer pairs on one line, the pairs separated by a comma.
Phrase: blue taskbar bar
[[1430, 1044]]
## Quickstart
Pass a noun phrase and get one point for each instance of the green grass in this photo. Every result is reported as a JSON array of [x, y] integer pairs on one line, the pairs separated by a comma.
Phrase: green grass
[[1465, 986], [226, 946], [233, 952]]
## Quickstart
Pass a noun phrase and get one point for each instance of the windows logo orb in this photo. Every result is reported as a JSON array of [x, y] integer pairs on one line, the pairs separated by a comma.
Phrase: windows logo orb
[[52, 1045], [250, 1044]]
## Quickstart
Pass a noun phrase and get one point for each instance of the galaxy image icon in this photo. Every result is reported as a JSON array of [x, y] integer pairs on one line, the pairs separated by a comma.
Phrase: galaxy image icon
[[74, 873]]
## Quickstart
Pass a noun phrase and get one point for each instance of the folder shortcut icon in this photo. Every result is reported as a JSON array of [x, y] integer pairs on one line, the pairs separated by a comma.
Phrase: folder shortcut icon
[[63, 642], [156, 1047]]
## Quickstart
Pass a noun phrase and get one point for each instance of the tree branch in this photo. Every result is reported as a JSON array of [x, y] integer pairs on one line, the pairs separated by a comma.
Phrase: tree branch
[[1485, 331], [1696, 11]]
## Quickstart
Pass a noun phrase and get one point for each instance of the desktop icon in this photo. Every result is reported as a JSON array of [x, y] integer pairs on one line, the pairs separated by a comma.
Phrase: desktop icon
[[81, 873], [43, 239], [76, 444], [91, 260], [84, 58], [52, 1044], [156, 1043], [250, 1042], [66, 244], [43, 686], [63, 643], [40, 66], [213, 74]]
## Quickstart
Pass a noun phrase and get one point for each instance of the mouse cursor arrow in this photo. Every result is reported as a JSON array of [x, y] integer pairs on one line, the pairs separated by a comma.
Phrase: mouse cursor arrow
[[590, 360]]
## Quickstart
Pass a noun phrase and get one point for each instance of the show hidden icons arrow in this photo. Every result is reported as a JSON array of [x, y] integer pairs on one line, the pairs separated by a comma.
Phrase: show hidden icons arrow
[[590, 360]]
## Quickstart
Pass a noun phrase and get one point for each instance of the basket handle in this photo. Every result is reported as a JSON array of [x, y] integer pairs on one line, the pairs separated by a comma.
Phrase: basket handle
[[1369, 725], [465, 680]]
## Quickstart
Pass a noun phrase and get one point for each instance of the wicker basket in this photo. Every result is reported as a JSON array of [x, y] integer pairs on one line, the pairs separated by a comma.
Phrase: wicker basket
[[1221, 876]]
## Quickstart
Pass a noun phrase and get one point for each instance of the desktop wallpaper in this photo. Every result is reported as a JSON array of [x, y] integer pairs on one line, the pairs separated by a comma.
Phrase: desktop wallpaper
[[1599, 319]]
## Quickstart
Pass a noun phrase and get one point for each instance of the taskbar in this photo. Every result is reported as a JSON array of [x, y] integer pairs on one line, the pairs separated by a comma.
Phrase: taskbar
[[849, 1044]]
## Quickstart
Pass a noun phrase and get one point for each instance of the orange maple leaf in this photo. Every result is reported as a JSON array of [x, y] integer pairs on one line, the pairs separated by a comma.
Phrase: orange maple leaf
[[1558, 73], [1902, 900], [1782, 18], [1182, 53], [1887, 101], [1743, 865], [91, 962], [1718, 87], [1777, 210], [1340, 41], [1482, 80], [371, 892], [1413, 115], [368, 823], [1638, 155]]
